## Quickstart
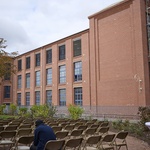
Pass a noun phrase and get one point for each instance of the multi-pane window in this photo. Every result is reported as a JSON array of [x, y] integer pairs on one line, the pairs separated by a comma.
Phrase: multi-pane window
[[37, 98], [49, 97], [27, 62], [62, 74], [62, 97], [78, 71], [37, 78], [49, 76], [61, 52], [19, 99], [7, 76], [27, 98], [6, 91], [19, 65], [77, 48], [28, 80], [8, 73], [19, 82], [37, 59], [78, 96], [49, 56]]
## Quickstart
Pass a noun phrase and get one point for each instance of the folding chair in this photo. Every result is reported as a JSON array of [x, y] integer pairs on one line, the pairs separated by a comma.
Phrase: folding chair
[[7, 138], [92, 142], [107, 142], [61, 134], [56, 128], [73, 143], [23, 132], [11, 127], [23, 143], [102, 131], [55, 145], [76, 133], [89, 131], [120, 140]]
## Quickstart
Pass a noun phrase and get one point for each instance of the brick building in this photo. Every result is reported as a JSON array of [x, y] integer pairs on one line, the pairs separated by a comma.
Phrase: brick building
[[104, 68]]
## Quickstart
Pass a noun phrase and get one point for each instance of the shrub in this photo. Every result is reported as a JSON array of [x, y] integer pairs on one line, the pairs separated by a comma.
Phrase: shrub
[[13, 109], [23, 111], [75, 111], [2, 107]]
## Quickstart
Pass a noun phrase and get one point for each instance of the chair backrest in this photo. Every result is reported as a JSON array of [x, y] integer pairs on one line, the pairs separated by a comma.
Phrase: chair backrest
[[69, 127], [24, 131], [7, 134], [11, 127], [25, 126], [104, 124], [103, 130], [61, 134], [83, 127], [90, 131], [56, 128], [108, 138], [55, 145], [121, 135], [95, 139], [26, 140], [74, 143], [76, 132]]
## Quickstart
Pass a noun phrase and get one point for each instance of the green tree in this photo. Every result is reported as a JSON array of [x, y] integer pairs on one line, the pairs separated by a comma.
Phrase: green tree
[[6, 61]]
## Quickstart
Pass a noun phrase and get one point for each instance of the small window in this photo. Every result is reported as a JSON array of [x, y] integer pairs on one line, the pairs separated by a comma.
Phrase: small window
[[37, 78], [37, 97], [49, 76], [78, 96], [19, 82], [77, 48], [6, 91], [37, 60], [28, 80], [27, 62], [19, 65], [62, 97], [78, 71], [27, 98], [62, 52], [62, 74], [19, 99], [49, 56], [49, 97]]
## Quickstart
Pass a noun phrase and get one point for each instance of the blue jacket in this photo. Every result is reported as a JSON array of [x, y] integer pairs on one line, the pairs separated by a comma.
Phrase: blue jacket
[[42, 134]]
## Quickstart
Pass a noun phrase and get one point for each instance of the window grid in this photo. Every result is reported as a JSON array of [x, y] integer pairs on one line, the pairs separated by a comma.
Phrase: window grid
[[49, 97], [6, 91], [62, 74], [78, 71], [37, 97], [19, 82], [19, 99], [27, 62], [37, 63], [62, 52], [62, 97], [49, 56], [49, 76], [78, 96], [28, 80], [37, 78], [27, 98], [77, 48]]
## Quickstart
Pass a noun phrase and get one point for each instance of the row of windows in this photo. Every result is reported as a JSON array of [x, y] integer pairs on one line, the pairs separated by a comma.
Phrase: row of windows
[[62, 75], [62, 55], [62, 97]]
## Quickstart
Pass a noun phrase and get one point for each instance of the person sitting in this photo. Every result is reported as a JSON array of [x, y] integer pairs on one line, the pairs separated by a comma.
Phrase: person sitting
[[42, 134]]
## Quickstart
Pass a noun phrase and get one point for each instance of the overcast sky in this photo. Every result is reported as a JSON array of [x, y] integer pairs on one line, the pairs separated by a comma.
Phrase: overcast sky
[[29, 24]]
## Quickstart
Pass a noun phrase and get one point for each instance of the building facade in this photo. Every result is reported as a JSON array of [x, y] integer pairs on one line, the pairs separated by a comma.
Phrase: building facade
[[105, 68]]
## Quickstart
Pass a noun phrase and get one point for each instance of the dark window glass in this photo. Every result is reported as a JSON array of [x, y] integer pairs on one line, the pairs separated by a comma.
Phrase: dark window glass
[[78, 96], [49, 97], [49, 56], [37, 78], [19, 99], [62, 97], [49, 76], [78, 71], [37, 60], [6, 91], [76, 48], [19, 65], [27, 62], [61, 52], [27, 98], [37, 97]]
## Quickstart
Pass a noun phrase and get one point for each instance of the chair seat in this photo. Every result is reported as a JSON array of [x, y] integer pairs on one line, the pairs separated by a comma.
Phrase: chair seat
[[23, 148], [108, 147], [6, 142]]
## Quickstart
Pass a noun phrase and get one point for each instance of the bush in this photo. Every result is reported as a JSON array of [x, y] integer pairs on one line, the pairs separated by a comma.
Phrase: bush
[[23, 111], [75, 111], [13, 109], [2, 107]]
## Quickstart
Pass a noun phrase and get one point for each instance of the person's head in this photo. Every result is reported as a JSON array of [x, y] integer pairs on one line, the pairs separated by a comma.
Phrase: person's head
[[39, 122]]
